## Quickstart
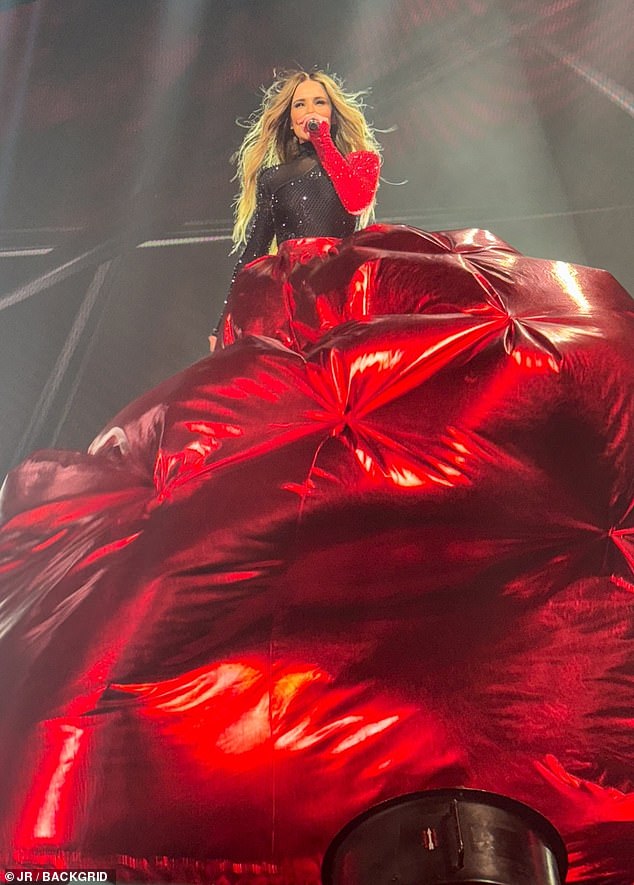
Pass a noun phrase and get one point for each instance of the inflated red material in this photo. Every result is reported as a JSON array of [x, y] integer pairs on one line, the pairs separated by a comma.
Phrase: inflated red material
[[382, 541]]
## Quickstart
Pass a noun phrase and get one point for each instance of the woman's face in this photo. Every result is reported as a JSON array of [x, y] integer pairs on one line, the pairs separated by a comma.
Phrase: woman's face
[[310, 102]]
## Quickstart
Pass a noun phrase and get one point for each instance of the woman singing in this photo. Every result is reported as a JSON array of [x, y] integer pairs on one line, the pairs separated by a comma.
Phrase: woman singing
[[308, 167]]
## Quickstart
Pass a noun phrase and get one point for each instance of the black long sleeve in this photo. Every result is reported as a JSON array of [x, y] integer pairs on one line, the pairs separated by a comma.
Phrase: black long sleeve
[[261, 228]]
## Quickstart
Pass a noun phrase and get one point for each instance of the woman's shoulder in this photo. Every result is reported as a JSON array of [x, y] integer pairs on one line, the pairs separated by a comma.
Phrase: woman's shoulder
[[268, 174], [273, 177]]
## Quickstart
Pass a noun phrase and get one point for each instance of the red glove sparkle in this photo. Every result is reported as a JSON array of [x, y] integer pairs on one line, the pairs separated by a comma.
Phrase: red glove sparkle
[[355, 177]]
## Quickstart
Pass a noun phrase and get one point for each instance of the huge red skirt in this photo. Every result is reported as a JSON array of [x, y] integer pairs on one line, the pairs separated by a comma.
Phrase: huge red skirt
[[383, 541]]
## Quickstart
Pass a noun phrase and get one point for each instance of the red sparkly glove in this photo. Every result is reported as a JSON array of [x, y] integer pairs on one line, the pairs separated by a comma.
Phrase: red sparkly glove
[[355, 177]]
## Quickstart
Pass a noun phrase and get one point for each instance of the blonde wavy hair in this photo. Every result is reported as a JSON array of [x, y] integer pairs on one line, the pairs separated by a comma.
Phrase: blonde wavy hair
[[270, 139]]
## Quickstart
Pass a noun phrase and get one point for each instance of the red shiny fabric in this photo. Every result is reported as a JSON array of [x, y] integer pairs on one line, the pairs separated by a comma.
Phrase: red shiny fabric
[[382, 541], [355, 177]]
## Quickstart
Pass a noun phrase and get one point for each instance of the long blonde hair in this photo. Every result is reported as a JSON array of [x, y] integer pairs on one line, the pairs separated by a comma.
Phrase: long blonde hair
[[270, 139]]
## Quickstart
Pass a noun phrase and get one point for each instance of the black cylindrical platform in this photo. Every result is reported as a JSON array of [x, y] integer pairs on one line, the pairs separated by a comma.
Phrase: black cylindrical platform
[[442, 837]]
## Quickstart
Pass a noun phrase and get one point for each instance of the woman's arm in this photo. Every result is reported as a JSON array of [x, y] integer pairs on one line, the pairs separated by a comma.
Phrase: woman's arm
[[355, 177], [259, 238], [261, 228]]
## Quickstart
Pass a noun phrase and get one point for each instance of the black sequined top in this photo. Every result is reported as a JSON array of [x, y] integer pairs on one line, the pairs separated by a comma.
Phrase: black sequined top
[[295, 199]]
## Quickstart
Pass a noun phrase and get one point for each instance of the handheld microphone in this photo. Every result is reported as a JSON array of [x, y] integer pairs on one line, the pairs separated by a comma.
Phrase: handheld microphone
[[313, 126]]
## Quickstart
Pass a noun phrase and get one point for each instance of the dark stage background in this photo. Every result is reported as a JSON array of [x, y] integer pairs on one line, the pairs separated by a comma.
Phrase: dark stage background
[[118, 122]]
